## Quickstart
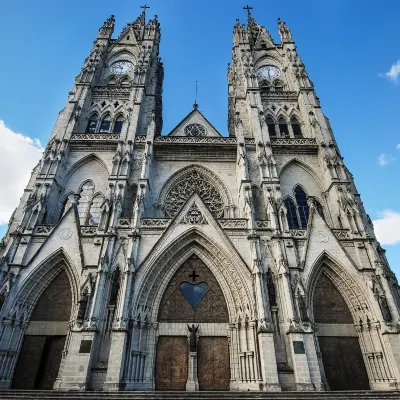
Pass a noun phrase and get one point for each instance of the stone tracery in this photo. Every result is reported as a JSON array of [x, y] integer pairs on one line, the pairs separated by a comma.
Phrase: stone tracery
[[195, 182]]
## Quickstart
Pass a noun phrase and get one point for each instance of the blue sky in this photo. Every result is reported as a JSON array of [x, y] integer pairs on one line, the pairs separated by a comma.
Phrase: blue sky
[[347, 46]]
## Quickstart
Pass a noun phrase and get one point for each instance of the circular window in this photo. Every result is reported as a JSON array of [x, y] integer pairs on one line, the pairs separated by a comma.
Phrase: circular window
[[195, 130]]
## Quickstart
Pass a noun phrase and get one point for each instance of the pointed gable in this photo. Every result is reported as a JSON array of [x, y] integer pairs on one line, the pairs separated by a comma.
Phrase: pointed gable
[[195, 124]]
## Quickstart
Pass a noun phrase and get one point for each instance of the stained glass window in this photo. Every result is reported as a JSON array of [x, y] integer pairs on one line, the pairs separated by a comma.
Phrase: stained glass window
[[302, 206]]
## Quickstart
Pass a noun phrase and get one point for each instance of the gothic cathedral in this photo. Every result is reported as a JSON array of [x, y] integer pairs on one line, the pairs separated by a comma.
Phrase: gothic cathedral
[[195, 260]]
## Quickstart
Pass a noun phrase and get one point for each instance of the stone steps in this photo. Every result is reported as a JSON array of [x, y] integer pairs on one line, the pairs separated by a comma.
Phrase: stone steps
[[61, 395]]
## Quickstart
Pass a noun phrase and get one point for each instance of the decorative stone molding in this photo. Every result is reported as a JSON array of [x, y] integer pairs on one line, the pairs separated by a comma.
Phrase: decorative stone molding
[[233, 223], [43, 229], [194, 216], [96, 136], [124, 222], [294, 142], [155, 222], [88, 230], [263, 224], [341, 233], [298, 233]]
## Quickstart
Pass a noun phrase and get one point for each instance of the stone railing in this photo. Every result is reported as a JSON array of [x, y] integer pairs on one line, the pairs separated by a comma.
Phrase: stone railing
[[111, 92], [89, 229], [294, 142], [96, 136], [43, 229], [233, 223], [298, 233], [124, 222], [342, 233], [263, 225], [155, 222], [189, 139]]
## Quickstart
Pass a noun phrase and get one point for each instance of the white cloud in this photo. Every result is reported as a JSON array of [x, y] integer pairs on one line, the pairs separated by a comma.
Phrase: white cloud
[[18, 155], [385, 159], [398, 147], [387, 227], [394, 73]]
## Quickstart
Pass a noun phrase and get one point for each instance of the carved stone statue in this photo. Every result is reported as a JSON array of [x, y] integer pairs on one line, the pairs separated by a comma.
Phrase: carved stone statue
[[301, 302], [82, 306], [193, 338], [271, 288], [387, 315]]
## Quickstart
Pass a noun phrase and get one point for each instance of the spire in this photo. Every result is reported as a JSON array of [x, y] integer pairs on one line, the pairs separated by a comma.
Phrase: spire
[[107, 29], [284, 32]]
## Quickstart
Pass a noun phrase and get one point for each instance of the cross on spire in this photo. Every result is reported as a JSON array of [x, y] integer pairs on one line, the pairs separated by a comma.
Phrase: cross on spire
[[248, 8], [145, 7]]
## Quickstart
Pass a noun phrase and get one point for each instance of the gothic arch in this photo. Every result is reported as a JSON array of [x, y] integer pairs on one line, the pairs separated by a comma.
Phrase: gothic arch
[[80, 163], [270, 60], [305, 167], [38, 280], [351, 291], [157, 273], [185, 172], [122, 55]]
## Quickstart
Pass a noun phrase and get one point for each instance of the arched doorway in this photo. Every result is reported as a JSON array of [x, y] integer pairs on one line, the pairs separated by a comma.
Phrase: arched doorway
[[338, 340], [44, 338], [193, 296]]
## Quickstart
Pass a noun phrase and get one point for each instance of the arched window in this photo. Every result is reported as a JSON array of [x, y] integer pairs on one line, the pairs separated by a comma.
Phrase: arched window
[[265, 88], [119, 122], [283, 128], [95, 210], [319, 208], [293, 220], [92, 124], [125, 82], [271, 127], [296, 127], [111, 81], [278, 86], [105, 124], [302, 205]]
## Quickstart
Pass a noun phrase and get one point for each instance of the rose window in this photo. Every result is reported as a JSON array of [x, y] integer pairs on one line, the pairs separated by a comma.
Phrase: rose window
[[194, 183], [195, 130]]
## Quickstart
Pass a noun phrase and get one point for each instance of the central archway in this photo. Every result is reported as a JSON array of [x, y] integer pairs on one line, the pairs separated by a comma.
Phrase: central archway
[[193, 296]]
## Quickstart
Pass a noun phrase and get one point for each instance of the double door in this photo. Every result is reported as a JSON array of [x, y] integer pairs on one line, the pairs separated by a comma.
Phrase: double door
[[212, 363]]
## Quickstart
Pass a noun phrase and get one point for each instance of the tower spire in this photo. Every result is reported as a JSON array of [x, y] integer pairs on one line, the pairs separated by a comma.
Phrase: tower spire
[[145, 7], [248, 8]]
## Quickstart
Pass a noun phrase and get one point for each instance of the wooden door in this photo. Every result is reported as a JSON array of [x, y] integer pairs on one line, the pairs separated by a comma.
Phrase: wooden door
[[172, 363], [343, 363], [213, 363], [39, 362]]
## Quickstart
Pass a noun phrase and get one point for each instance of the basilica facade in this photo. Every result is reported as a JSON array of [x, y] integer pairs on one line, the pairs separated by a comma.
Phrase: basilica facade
[[194, 259]]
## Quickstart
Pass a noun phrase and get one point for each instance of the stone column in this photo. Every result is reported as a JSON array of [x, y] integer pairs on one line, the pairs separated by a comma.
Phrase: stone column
[[192, 384]]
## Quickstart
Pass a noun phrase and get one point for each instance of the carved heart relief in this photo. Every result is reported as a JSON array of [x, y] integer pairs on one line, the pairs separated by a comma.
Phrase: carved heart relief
[[193, 292]]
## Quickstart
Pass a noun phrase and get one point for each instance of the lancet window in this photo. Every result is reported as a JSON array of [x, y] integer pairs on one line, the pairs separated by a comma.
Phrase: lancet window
[[119, 122], [296, 128], [298, 211], [92, 124], [283, 128], [105, 124], [271, 127]]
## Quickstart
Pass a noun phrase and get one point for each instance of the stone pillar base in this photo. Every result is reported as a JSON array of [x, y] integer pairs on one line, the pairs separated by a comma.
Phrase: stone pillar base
[[192, 384]]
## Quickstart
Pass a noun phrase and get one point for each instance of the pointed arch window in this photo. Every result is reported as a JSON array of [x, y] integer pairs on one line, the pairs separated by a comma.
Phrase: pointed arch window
[[118, 124], [105, 124], [283, 128], [265, 87], [112, 81], [92, 124], [292, 218], [125, 82], [302, 205], [271, 127], [296, 127], [278, 86]]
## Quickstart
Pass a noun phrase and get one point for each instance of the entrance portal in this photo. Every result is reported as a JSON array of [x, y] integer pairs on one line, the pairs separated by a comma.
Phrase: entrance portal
[[43, 343], [341, 355]]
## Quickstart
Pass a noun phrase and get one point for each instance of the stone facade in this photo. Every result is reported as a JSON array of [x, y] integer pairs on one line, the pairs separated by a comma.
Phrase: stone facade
[[114, 209]]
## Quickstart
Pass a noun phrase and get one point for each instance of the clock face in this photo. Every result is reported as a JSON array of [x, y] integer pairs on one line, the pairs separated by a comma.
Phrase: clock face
[[121, 67], [268, 72]]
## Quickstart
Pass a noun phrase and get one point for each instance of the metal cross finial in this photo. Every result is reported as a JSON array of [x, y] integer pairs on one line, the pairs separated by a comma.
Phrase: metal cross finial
[[248, 8], [145, 7]]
